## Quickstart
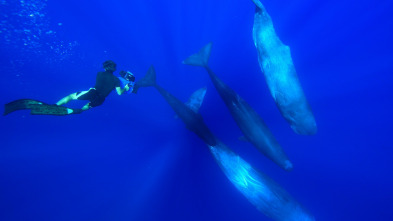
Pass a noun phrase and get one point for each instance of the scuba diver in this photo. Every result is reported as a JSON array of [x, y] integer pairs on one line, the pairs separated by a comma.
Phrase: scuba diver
[[106, 82]]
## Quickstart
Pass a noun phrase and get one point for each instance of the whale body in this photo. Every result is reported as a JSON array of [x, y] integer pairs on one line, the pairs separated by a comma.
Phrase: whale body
[[186, 112], [250, 123], [261, 191], [276, 64]]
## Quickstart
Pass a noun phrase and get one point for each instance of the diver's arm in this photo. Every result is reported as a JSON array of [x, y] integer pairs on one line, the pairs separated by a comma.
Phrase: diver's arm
[[120, 91]]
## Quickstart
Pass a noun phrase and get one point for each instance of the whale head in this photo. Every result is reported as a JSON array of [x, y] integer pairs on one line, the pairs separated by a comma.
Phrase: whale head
[[304, 125]]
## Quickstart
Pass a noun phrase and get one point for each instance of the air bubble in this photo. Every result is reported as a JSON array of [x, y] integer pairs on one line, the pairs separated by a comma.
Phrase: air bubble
[[24, 26]]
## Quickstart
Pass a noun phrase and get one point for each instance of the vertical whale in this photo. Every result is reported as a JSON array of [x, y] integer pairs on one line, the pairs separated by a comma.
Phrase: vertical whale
[[276, 64], [262, 192], [249, 122], [189, 115]]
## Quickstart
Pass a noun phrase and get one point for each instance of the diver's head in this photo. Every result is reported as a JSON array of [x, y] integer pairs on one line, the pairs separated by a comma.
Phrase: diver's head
[[109, 65]]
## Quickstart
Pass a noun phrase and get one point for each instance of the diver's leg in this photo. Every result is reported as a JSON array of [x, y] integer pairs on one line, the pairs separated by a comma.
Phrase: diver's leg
[[67, 99], [73, 96], [86, 107]]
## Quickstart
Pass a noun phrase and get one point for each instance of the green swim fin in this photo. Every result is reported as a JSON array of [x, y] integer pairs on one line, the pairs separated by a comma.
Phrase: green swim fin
[[20, 104], [38, 108], [46, 109]]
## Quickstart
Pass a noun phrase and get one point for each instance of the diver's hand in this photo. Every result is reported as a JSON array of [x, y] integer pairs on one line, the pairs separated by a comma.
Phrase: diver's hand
[[127, 87]]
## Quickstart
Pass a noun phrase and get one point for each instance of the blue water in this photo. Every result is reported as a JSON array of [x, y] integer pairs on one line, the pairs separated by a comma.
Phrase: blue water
[[131, 159]]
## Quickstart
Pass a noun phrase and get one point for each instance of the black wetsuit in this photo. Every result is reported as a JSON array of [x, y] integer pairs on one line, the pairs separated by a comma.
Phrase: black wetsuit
[[105, 83]]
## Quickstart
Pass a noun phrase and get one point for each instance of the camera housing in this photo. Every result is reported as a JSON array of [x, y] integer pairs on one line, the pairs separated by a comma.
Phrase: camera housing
[[127, 75]]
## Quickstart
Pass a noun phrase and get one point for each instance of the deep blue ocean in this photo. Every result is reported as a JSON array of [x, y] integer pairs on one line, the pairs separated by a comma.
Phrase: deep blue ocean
[[132, 159]]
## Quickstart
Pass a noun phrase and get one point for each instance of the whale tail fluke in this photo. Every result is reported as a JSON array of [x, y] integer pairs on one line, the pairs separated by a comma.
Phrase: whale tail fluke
[[259, 5], [196, 99], [201, 58], [148, 80]]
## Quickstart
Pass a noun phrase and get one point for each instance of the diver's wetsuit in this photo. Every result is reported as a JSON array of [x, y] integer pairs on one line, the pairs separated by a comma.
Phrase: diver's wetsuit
[[105, 83]]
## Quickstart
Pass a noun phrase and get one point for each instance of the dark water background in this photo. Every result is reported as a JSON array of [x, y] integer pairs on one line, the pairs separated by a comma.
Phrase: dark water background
[[130, 159]]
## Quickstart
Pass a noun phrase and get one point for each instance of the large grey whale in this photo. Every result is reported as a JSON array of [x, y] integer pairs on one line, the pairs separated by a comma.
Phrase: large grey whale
[[276, 64], [261, 191], [250, 123]]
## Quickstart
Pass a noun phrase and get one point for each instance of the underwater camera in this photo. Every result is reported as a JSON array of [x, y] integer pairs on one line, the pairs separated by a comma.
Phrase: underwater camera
[[127, 75]]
